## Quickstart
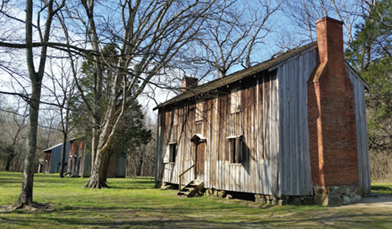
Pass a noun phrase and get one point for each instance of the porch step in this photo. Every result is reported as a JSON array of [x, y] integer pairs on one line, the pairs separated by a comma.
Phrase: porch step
[[192, 189]]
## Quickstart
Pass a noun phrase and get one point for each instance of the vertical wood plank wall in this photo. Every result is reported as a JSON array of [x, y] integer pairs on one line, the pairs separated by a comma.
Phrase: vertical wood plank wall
[[362, 138], [294, 154], [257, 122]]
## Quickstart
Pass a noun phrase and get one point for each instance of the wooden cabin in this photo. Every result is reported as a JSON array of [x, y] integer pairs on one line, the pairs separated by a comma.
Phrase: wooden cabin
[[79, 161], [52, 158], [292, 126]]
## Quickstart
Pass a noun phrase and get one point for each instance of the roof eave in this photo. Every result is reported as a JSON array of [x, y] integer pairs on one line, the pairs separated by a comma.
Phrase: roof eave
[[269, 65]]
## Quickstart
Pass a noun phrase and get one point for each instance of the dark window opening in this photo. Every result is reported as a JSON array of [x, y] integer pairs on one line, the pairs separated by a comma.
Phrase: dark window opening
[[173, 153], [235, 149]]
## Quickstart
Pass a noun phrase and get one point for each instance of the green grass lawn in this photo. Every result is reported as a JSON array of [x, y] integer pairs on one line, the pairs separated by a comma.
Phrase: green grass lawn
[[135, 203]]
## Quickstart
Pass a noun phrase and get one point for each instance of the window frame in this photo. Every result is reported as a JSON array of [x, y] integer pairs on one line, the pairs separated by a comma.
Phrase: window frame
[[236, 149], [170, 153], [172, 146]]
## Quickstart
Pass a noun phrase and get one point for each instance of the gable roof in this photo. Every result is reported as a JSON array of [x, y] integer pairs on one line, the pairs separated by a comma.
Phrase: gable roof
[[237, 75], [270, 64]]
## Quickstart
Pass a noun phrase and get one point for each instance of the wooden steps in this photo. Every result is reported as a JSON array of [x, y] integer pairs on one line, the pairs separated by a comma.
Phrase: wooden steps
[[192, 189]]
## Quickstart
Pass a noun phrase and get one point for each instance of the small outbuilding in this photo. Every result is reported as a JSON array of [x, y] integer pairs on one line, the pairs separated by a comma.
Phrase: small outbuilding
[[52, 158], [77, 161]]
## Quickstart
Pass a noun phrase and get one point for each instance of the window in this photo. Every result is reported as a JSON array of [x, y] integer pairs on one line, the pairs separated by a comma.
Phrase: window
[[170, 153], [173, 152], [199, 111], [235, 149], [235, 100]]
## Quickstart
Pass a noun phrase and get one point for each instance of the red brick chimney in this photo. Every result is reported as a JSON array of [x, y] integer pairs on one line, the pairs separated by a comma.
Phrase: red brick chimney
[[331, 110], [188, 83]]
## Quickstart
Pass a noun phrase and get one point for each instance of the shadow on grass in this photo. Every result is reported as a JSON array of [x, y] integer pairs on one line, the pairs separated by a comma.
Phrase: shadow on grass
[[10, 181], [131, 219], [381, 188], [131, 184], [130, 187]]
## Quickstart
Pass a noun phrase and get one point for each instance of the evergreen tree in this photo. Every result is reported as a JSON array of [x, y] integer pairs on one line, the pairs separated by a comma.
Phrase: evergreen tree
[[371, 54], [131, 132]]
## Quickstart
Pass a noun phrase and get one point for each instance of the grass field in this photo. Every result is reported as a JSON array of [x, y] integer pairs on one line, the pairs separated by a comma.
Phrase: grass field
[[135, 203]]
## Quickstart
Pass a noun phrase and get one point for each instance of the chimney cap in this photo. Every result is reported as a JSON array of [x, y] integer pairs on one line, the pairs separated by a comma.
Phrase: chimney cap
[[189, 77], [329, 19], [188, 83]]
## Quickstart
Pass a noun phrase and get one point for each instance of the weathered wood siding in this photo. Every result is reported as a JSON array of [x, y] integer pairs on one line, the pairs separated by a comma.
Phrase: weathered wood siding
[[256, 121], [362, 138], [294, 153]]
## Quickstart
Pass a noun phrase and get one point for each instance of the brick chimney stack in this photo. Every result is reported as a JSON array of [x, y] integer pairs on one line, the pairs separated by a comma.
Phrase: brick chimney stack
[[331, 110], [188, 83]]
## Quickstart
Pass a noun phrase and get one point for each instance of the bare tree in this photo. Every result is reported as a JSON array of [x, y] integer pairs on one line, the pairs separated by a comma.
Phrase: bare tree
[[305, 12], [63, 89], [230, 38], [148, 38], [49, 8]]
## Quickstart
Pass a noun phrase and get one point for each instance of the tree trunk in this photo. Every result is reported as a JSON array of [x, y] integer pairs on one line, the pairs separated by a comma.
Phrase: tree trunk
[[99, 164], [63, 149], [94, 142], [98, 176], [7, 166], [11, 156], [139, 170], [26, 195], [104, 168]]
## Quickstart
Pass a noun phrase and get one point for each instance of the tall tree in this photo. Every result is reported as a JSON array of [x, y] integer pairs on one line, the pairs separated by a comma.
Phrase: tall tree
[[49, 8], [149, 37], [131, 132]]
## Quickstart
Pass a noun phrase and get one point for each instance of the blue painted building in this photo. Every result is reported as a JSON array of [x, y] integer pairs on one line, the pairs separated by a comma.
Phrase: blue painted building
[[52, 158]]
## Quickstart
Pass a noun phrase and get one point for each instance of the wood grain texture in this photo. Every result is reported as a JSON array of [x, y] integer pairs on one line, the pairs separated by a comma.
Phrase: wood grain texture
[[362, 139], [294, 157]]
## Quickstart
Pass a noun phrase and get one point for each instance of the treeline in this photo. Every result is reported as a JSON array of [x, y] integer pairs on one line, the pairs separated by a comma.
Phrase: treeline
[[134, 138]]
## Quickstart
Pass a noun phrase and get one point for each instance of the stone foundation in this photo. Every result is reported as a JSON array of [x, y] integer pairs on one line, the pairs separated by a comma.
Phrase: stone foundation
[[324, 196], [337, 195], [284, 200]]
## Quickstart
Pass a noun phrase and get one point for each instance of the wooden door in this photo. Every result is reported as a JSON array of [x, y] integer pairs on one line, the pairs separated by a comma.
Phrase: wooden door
[[199, 167]]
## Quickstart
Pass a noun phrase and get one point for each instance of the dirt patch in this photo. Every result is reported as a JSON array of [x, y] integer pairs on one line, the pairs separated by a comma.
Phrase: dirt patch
[[374, 200]]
